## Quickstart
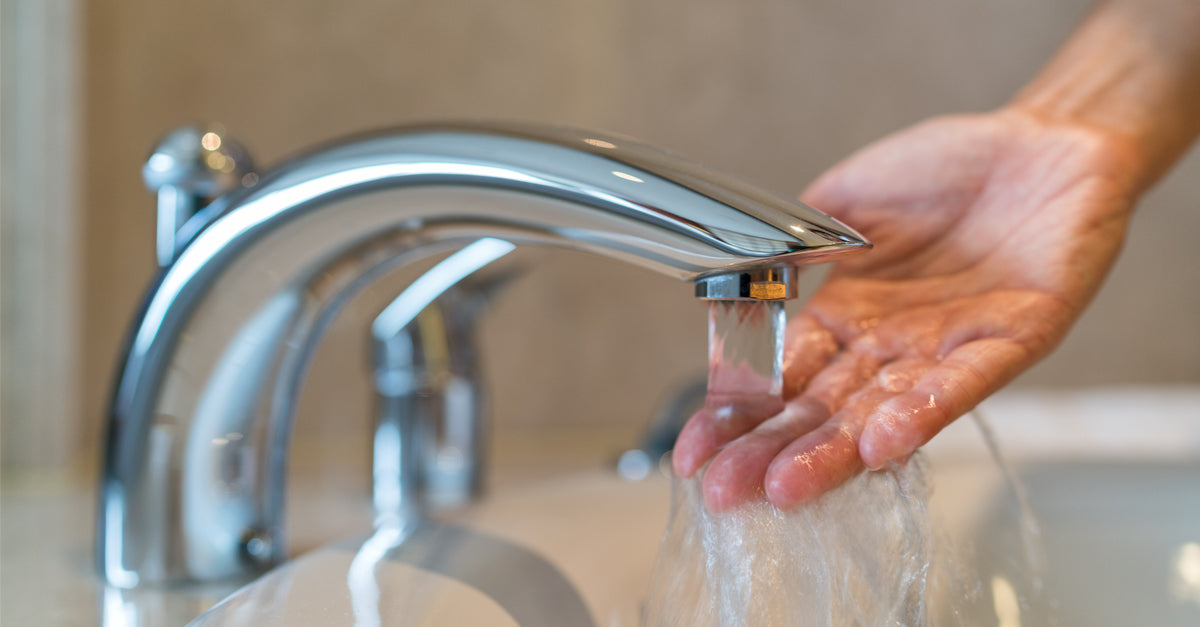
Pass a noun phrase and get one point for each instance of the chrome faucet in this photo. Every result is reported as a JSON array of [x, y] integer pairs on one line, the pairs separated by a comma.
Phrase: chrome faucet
[[202, 411]]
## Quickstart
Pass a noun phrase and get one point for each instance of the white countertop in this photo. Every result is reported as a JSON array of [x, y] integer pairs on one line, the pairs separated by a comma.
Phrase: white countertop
[[47, 571]]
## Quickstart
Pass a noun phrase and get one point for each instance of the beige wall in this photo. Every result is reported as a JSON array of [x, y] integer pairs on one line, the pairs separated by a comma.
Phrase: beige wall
[[774, 91]]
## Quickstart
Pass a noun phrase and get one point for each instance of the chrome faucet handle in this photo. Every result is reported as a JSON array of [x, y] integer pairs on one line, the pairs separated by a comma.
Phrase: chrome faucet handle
[[430, 403], [190, 166]]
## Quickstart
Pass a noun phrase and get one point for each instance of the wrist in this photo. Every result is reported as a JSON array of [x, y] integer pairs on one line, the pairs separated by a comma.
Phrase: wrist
[[1129, 160], [1131, 75], [1123, 160]]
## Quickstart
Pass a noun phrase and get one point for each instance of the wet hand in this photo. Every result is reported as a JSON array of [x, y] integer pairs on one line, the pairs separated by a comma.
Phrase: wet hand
[[991, 235]]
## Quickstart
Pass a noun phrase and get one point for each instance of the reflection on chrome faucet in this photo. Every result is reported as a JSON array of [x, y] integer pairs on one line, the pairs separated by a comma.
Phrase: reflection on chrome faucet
[[204, 402]]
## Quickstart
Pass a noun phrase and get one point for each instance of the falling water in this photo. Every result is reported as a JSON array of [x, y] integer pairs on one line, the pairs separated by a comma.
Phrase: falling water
[[745, 359], [858, 556], [865, 554]]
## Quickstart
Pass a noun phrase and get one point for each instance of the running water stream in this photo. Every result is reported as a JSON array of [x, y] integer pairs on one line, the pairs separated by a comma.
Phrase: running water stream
[[745, 357], [865, 554]]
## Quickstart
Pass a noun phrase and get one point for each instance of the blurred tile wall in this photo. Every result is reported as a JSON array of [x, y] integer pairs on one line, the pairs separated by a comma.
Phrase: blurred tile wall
[[774, 91]]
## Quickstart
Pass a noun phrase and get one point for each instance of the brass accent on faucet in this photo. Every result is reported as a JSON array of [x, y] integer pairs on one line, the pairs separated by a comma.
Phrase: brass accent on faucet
[[762, 290]]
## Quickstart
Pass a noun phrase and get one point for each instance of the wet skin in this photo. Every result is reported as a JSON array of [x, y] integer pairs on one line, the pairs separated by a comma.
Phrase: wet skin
[[992, 233]]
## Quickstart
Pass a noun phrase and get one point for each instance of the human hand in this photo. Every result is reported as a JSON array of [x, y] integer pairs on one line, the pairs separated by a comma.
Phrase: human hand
[[991, 233]]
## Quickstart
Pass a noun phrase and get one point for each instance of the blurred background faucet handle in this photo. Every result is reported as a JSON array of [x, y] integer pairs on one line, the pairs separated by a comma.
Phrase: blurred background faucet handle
[[189, 167]]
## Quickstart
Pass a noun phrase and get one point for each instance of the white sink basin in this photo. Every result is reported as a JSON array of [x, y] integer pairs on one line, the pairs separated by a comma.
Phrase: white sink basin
[[571, 551], [1120, 524], [1114, 480], [1122, 540]]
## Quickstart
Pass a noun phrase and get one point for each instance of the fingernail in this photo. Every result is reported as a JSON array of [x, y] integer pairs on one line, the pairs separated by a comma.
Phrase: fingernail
[[681, 467], [877, 467], [877, 449]]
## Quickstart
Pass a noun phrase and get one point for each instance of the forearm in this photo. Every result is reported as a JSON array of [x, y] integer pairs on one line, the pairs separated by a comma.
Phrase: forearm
[[1132, 71]]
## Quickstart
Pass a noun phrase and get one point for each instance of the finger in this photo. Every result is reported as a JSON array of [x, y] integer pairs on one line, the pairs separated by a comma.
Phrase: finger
[[736, 474], [809, 348], [713, 427], [816, 462], [897, 377], [847, 373], [948, 390], [828, 456]]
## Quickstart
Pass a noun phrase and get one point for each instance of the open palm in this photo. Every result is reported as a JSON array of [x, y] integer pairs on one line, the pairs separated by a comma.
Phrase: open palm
[[991, 232]]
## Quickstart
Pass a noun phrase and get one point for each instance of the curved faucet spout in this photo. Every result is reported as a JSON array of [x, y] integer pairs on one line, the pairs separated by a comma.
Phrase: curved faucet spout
[[201, 416]]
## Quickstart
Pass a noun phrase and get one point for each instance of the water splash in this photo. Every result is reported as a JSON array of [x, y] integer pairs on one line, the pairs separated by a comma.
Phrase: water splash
[[865, 554], [859, 555]]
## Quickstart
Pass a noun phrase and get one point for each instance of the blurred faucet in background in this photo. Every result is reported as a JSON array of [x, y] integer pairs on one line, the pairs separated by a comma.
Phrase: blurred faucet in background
[[429, 399]]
